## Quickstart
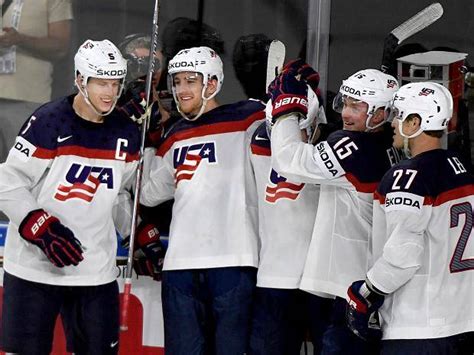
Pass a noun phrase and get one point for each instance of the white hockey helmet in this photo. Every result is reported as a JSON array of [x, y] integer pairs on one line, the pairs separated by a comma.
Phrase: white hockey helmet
[[310, 122], [432, 102], [99, 59], [202, 60], [370, 86]]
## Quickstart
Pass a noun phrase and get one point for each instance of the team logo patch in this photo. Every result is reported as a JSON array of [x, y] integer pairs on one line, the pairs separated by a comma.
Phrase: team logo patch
[[426, 92], [391, 83], [83, 181], [187, 159], [278, 187]]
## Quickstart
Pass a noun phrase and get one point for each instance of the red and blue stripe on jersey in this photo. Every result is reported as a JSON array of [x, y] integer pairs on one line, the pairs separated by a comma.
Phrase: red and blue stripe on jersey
[[56, 130], [364, 156], [223, 119], [438, 177]]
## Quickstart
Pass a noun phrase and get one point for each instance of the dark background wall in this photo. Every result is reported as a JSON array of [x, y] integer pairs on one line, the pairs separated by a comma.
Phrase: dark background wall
[[358, 29], [114, 19]]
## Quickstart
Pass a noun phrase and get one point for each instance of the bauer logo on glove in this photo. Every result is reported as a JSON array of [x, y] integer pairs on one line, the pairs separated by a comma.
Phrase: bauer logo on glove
[[288, 96]]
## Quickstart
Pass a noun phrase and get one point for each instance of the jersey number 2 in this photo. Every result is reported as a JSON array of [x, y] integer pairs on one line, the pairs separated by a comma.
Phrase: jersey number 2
[[457, 263]]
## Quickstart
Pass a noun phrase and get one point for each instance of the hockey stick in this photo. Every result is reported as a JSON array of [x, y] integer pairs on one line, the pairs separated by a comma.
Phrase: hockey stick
[[413, 25], [275, 60], [129, 270]]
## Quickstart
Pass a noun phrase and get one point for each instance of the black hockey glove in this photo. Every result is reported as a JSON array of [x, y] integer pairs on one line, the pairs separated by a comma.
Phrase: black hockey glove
[[363, 302], [288, 95], [305, 72], [53, 238], [149, 252], [133, 104]]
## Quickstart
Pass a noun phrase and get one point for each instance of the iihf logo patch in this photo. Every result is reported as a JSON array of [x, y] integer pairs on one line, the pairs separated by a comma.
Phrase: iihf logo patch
[[279, 187], [83, 182], [186, 159]]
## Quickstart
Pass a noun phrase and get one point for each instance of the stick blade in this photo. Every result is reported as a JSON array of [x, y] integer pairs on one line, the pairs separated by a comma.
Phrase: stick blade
[[275, 60], [416, 23]]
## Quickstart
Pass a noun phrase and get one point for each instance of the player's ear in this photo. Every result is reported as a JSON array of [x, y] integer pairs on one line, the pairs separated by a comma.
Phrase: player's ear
[[378, 116], [79, 80], [413, 122], [211, 86]]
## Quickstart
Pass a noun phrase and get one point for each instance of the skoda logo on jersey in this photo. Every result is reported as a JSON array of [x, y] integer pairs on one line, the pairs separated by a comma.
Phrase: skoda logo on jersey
[[279, 188], [327, 160], [186, 159], [83, 182], [405, 201]]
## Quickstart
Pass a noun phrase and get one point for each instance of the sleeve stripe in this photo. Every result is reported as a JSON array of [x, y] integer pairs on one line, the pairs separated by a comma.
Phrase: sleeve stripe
[[42, 153], [450, 195], [360, 186], [258, 150], [454, 194]]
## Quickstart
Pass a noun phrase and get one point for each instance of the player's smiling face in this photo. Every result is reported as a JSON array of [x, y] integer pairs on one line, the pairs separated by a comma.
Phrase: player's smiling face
[[354, 114], [103, 92], [188, 87]]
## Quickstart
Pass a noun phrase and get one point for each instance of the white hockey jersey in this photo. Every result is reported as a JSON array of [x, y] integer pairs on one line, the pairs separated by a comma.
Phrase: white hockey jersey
[[348, 166], [423, 239], [74, 169], [204, 165], [286, 213]]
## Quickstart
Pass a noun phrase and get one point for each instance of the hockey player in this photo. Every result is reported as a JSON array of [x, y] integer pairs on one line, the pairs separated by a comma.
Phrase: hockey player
[[202, 162], [58, 187], [287, 209], [422, 237], [348, 166]]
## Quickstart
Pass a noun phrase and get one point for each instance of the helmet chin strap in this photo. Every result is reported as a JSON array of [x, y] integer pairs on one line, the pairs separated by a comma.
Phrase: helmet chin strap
[[201, 111], [406, 138], [370, 114], [203, 105]]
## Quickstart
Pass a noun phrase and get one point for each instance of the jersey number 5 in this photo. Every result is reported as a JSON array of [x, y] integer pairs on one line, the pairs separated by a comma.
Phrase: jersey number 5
[[457, 263]]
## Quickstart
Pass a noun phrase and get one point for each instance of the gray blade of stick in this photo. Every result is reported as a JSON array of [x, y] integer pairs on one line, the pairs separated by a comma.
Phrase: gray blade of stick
[[416, 23]]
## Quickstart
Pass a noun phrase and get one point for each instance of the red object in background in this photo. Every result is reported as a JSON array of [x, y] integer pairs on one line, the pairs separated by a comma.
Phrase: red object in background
[[130, 340]]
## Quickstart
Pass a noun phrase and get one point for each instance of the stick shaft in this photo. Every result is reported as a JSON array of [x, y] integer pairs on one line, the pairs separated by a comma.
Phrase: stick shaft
[[138, 179]]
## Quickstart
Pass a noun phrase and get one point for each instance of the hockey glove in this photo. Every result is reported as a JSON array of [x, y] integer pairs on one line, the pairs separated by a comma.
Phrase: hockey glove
[[134, 104], [53, 238], [149, 252], [288, 95], [311, 76], [362, 310], [299, 67]]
